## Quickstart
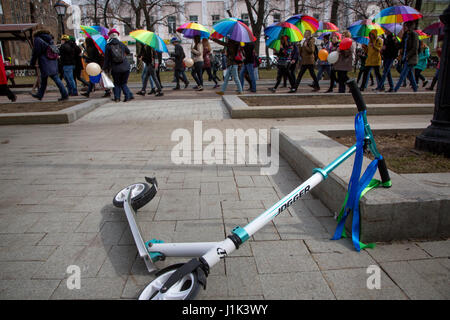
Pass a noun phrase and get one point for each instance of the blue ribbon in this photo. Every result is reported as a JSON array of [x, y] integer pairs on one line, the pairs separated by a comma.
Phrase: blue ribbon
[[356, 185]]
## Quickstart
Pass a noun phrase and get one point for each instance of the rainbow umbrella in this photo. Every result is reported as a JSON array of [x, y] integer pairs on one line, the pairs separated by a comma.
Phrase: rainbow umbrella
[[397, 14], [150, 39], [304, 22], [395, 28], [435, 29], [233, 29], [327, 27], [362, 40], [192, 29], [275, 31], [362, 28], [100, 42], [422, 35], [92, 30]]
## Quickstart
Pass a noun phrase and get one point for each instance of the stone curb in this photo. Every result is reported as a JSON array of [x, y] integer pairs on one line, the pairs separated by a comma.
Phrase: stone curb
[[407, 210], [238, 109], [67, 115]]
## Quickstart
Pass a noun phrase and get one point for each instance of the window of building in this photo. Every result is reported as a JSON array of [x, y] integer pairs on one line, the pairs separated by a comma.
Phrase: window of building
[[245, 18], [276, 17], [127, 28], [172, 24], [317, 16], [193, 19], [215, 18]]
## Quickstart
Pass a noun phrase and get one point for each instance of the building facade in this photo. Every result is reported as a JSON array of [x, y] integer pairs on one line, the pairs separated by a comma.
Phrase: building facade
[[27, 11]]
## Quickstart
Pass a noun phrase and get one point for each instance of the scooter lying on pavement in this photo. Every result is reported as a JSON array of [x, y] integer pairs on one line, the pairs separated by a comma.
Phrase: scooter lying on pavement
[[183, 281]]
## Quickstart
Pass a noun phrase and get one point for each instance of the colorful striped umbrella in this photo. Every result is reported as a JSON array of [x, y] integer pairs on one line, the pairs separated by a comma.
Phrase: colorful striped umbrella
[[395, 28], [92, 30], [100, 42], [327, 27], [233, 29], [362, 28], [192, 29], [304, 22], [150, 39], [422, 35], [362, 40], [275, 31], [435, 29], [397, 14]]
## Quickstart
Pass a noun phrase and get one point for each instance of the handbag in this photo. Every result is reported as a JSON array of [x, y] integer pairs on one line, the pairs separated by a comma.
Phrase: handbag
[[107, 82], [239, 57]]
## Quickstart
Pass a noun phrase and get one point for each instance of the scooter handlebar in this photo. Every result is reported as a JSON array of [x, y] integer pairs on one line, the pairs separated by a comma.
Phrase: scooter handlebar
[[357, 96]]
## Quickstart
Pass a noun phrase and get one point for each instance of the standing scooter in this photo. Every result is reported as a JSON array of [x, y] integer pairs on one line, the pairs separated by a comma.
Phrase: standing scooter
[[183, 281]]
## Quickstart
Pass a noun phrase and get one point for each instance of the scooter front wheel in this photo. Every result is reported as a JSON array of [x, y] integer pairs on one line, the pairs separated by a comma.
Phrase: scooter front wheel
[[185, 289]]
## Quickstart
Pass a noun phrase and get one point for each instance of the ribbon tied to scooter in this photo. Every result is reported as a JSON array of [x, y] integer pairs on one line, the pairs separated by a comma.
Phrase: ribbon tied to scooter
[[358, 186]]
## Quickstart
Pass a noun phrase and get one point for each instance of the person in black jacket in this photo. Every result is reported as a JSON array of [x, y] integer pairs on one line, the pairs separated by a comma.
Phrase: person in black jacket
[[179, 70], [67, 59], [148, 55], [117, 63], [48, 63], [389, 53], [78, 63]]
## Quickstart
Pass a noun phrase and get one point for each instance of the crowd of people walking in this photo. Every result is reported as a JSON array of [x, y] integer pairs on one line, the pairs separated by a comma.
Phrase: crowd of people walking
[[238, 61]]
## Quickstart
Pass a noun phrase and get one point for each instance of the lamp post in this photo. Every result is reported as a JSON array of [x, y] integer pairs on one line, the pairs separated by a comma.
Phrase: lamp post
[[436, 138], [61, 9]]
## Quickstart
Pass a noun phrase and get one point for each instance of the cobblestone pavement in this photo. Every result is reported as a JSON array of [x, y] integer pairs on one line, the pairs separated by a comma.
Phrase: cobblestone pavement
[[57, 183]]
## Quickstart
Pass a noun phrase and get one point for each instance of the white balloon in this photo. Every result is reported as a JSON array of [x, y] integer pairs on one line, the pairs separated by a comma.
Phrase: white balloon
[[93, 69], [188, 62], [333, 57]]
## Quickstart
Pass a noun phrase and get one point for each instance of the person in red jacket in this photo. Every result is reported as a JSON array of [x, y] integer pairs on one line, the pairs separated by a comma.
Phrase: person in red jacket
[[4, 90]]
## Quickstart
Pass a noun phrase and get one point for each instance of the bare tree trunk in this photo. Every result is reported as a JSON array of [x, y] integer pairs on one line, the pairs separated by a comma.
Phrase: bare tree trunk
[[418, 5], [95, 12], [334, 12], [296, 7], [418, 8], [105, 9]]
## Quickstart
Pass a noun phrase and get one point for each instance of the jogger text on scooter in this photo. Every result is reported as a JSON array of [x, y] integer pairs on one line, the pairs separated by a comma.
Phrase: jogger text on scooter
[[295, 198], [228, 310]]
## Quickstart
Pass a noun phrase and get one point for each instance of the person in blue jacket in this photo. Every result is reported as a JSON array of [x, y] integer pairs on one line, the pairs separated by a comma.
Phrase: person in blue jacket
[[424, 54], [48, 63]]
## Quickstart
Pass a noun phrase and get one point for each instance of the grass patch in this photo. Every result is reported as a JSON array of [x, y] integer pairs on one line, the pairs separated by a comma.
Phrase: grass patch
[[401, 156]]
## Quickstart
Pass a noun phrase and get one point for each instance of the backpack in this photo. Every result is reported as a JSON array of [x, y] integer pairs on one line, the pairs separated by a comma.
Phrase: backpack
[[117, 54], [52, 52]]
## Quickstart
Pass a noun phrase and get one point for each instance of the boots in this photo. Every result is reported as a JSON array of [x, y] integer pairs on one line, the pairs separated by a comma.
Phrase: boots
[[433, 83]]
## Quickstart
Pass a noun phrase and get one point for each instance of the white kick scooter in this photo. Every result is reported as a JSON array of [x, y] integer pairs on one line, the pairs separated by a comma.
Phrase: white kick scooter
[[182, 281]]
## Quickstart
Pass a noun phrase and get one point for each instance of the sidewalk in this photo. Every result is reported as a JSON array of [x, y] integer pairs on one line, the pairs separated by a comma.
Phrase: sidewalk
[[57, 183], [208, 92]]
